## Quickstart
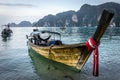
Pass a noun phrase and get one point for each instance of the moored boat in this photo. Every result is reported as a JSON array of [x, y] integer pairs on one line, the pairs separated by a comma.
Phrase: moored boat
[[62, 28], [6, 32], [71, 56]]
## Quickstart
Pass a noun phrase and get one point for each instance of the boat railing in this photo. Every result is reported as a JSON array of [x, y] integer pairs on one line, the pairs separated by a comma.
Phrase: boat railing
[[52, 39]]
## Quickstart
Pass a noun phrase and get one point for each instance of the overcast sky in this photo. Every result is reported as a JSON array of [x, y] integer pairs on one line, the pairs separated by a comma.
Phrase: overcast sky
[[33, 10]]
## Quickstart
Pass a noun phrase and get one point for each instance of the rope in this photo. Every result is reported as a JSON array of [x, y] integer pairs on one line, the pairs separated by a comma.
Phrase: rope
[[92, 45]]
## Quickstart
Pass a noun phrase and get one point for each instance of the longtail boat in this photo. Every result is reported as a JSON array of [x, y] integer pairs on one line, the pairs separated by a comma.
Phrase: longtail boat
[[69, 56], [6, 32]]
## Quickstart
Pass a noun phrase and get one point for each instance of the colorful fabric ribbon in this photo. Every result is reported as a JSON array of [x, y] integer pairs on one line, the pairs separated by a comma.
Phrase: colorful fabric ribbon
[[92, 45]]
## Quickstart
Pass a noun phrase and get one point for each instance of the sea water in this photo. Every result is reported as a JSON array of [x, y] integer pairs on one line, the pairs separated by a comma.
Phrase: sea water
[[17, 64]]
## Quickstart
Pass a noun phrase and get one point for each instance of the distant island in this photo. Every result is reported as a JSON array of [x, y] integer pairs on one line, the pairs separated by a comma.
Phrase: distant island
[[22, 24], [87, 16]]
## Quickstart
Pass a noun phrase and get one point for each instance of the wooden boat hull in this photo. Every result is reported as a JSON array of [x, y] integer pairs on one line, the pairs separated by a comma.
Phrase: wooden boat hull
[[51, 70], [5, 36], [6, 33], [66, 55]]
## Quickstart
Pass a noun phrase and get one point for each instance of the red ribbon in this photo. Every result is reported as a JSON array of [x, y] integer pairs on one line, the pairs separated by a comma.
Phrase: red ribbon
[[92, 45]]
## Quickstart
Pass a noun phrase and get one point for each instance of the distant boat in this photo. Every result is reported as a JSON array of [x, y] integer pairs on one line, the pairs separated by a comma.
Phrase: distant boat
[[68, 56], [6, 32], [62, 28]]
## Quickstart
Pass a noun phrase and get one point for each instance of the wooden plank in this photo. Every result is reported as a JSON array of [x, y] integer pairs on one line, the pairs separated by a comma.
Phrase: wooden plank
[[102, 25]]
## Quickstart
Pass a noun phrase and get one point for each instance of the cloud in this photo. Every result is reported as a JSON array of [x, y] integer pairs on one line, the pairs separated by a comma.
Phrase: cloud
[[18, 5]]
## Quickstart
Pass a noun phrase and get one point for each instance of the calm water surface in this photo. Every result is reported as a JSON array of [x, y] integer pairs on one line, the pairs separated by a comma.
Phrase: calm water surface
[[16, 63]]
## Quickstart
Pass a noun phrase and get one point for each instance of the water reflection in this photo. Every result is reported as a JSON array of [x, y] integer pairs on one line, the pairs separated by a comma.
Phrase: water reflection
[[6, 39], [47, 71]]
